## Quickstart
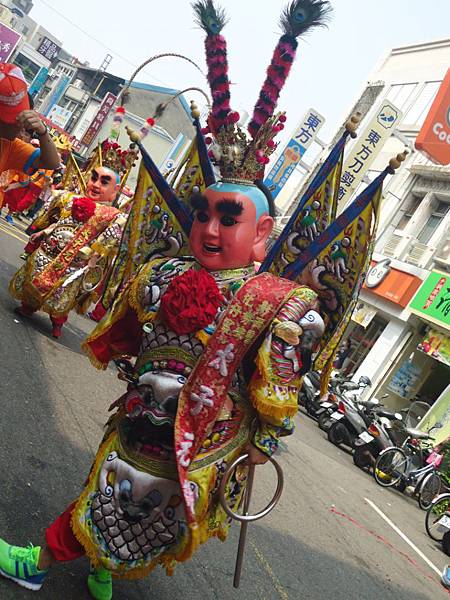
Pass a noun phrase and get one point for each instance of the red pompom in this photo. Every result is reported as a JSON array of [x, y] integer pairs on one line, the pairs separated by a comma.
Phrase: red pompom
[[266, 160], [150, 121], [208, 140], [205, 130], [233, 117], [115, 146], [259, 154], [190, 302], [271, 144], [83, 209], [120, 110], [282, 118]]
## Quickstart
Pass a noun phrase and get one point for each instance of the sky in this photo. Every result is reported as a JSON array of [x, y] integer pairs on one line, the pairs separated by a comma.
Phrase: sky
[[332, 65]]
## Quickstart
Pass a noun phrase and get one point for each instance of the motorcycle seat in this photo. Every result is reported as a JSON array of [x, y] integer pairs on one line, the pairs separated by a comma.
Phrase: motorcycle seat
[[417, 434], [387, 414]]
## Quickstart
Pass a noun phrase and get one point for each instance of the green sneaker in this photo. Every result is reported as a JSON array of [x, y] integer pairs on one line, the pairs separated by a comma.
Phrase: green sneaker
[[20, 565], [100, 583]]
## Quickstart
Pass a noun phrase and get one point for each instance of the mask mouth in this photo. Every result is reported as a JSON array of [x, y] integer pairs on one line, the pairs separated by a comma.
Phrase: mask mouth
[[212, 249]]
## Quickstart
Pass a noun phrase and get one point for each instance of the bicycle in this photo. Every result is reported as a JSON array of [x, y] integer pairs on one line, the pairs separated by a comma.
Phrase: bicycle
[[404, 466]]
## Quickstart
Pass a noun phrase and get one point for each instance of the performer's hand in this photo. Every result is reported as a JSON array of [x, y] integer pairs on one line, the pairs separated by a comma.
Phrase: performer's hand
[[35, 237], [29, 119], [92, 262], [255, 456]]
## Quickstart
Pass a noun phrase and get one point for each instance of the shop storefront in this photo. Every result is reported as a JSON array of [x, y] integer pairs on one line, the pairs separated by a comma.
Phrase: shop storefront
[[422, 370], [379, 329]]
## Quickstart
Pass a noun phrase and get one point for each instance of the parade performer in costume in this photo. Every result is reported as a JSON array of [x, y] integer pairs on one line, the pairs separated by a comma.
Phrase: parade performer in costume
[[219, 350], [76, 233], [15, 115]]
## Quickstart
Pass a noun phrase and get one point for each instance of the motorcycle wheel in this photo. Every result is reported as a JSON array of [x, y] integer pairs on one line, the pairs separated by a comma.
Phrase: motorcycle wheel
[[437, 509], [446, 543], [337, 434], [360, 458], [323, 421]]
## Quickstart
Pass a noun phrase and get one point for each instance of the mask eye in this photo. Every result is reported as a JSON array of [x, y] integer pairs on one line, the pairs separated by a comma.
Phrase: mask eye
[[228, 221], [201, 216]]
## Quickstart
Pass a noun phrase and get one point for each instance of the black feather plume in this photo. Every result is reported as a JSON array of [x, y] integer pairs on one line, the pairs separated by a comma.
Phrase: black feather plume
[[300, 16], [209, 17]]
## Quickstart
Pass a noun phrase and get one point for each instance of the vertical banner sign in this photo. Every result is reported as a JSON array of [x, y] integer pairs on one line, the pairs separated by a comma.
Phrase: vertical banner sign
[[55, 95], [175, 154], [303, 137], [366, 148], [8, 42], [38, 81], [99, 119]]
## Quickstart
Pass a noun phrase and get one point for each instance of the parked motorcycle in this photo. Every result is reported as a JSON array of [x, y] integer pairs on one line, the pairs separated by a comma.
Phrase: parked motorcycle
[[352, 415], [379, 434]]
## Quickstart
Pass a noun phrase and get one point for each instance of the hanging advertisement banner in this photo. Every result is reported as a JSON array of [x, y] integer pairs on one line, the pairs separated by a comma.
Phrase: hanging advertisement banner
[[366, 148], [99, 119], [363, 314], [437, 345], [8, 42], [404, 380], [59, 116], [38, 81], [55, 94], [301, 140]]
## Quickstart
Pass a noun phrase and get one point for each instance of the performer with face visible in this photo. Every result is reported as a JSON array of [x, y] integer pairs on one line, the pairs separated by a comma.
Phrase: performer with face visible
[[75, 234], [219, 351]]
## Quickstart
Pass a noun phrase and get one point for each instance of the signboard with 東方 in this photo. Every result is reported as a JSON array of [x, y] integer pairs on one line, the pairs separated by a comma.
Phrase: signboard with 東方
[[8, 42], [303, 137], [48, 49], [367, 147], [99, 119], [432, 301], [434, 137]]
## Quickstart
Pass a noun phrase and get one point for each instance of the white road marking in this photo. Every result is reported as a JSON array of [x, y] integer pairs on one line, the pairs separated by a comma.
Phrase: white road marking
[[403, 536]]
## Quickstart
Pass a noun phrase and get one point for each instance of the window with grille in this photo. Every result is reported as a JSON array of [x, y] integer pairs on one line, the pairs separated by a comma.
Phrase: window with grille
[[411, 205], [438, 213], [401, 93], [419, 110]]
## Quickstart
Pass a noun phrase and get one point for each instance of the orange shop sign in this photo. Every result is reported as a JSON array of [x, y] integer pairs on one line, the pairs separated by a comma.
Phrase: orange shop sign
[[434, 137], [396, 286]]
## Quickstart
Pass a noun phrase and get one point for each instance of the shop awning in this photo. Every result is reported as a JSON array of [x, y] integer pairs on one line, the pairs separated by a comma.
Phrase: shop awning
[[396, 286]]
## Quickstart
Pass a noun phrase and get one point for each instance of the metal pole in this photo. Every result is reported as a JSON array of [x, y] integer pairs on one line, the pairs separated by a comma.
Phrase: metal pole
[[244, 525]]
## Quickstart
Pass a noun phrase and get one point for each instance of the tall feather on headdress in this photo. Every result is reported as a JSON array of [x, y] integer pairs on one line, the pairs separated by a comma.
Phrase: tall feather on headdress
[[298, 18], [212, 19]]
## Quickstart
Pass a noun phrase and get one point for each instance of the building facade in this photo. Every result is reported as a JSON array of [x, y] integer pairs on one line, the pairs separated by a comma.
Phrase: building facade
[[400, 330]]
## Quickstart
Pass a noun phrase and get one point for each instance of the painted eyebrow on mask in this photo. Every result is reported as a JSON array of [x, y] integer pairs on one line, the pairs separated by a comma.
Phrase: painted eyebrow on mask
[[199, 202], [230, 207]]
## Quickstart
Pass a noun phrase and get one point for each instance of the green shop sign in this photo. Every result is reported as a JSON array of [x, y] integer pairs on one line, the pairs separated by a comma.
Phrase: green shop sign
[[432, 300]]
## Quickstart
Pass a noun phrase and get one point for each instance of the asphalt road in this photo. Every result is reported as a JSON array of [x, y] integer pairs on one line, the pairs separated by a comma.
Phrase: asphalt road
[[326, 538]]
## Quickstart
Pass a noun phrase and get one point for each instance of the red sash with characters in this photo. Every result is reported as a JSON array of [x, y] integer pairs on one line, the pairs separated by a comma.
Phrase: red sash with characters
[[249, 313], [51, 276]]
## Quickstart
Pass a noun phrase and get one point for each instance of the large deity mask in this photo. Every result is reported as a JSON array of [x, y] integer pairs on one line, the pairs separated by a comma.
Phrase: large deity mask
[[231, 226]]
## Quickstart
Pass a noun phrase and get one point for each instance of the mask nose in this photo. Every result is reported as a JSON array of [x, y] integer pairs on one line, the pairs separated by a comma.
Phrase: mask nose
[[212, 228]]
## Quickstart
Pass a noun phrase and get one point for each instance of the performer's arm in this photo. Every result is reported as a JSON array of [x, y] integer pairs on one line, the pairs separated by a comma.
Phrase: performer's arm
[[282, 359], [48, 157]]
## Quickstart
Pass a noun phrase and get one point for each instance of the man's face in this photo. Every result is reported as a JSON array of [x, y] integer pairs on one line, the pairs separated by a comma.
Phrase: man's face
[[9, 131], [102, 186], [224, 233]]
